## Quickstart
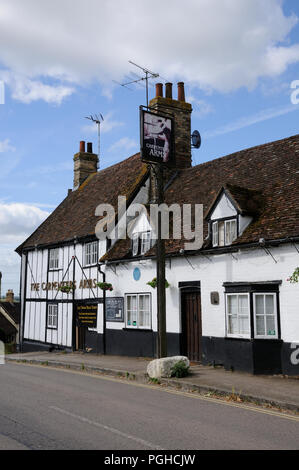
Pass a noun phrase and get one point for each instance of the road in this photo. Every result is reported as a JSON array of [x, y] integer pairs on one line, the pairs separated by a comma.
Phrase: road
[[44, 408]]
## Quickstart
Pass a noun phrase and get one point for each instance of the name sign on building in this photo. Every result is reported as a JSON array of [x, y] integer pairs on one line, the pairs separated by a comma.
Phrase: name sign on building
[[156, 138], [87, 315]]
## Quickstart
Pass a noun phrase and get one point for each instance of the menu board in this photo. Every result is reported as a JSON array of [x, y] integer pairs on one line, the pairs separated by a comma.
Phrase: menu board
[[115, 309], [87, 315]]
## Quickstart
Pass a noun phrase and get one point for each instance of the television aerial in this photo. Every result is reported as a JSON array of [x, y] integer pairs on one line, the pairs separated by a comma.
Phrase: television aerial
[[97, 120]]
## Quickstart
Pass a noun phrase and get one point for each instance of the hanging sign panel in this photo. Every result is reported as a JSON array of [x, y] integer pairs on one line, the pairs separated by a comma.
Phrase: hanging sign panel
[[115, 309], [156, 138], [87, 315]]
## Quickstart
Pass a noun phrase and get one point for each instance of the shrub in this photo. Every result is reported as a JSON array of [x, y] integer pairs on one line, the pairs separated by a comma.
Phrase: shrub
[[180, 370]]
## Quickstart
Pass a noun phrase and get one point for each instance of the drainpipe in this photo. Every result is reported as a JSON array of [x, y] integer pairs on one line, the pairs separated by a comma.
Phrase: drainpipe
[[104, 308]]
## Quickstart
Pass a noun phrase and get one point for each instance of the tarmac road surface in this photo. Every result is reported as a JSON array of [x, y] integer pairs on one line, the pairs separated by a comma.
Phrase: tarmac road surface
[[45, 408]]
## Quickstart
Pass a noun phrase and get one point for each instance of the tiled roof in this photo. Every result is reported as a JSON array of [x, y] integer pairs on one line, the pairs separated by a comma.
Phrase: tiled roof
[[75, 216], [270, 171], [6, 326], [12, 309]]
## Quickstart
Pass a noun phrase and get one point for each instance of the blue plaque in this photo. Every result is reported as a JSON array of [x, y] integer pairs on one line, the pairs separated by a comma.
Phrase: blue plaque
[[136, 274]]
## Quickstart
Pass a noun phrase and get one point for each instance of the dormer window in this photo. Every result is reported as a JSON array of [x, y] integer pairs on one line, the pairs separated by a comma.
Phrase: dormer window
[[141, 243], [224, 232]]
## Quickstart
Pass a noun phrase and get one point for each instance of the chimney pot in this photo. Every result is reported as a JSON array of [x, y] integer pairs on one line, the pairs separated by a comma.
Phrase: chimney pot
[[82, 146], [168, 90], [159, 89], [89, 147], [181, 91], [10, 296]]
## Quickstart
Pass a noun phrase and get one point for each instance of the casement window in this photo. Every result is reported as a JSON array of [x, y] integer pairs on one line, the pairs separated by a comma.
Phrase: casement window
[[135, 244], [141, 243], [252, 310], [224, 232], [238, 315], [54, 258], [138, 311], [52, 319], [265, 315], [90, 253], [145, 242], [230, 231]]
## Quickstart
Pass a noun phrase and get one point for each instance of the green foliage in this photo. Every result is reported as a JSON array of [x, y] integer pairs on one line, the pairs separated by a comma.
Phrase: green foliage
[[105, 286], [153, 283], [65, 289], [294, 278], [179, 370]]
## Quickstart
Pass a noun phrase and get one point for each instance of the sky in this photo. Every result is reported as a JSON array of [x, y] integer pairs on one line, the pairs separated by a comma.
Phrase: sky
[[60, 59]]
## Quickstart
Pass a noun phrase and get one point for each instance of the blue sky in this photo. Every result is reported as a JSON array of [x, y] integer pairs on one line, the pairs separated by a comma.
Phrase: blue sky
[[58, 61]]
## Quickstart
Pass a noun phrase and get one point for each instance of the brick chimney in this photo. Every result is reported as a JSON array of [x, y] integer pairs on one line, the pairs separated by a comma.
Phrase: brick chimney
[[181, 111], [85, 163], [10, 296]]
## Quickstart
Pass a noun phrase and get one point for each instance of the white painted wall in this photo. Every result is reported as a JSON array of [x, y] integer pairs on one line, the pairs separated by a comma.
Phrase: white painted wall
[[223, 209]]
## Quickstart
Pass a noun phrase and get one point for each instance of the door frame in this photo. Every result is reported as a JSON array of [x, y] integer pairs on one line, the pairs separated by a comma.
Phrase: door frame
[[189, 287]]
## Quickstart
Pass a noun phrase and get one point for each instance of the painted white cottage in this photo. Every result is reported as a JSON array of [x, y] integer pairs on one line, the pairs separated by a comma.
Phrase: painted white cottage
[[228, 303]]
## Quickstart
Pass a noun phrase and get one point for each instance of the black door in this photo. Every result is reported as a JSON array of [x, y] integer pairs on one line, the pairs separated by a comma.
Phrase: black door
[[191, 325]]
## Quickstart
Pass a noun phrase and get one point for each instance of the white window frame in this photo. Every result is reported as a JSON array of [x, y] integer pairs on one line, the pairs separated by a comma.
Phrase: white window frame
[[145, 242], [135, 244], [137, 327], [274, 295], [226, 223], [52, 317], [90, 254], [54, 259], [237, 335], [215, 234]]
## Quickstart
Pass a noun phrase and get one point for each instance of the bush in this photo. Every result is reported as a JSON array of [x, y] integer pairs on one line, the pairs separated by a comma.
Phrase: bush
[[180, 370]]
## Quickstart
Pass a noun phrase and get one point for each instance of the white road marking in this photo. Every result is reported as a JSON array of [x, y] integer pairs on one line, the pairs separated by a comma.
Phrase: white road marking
[[108, 428]]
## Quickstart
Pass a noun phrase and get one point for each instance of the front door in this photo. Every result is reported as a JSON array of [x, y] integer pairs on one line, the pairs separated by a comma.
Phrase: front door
[[191, 325]]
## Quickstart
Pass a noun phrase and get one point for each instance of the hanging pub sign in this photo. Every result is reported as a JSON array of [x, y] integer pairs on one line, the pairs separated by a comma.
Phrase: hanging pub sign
[[87, 315], [156, 138]]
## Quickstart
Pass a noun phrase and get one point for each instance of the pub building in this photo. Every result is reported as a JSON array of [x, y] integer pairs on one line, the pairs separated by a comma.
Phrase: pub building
[[228, 303]]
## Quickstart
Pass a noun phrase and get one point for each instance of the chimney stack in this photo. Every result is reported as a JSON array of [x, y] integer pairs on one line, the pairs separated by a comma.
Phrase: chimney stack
[[181, 112], [10, 296], [85, 163]]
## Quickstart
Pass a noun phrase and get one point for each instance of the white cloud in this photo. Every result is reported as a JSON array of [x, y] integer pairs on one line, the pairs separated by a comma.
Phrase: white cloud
[[26, 90], [5, 146], [18, 221], [214, 44], [124, 144], [247, 121]]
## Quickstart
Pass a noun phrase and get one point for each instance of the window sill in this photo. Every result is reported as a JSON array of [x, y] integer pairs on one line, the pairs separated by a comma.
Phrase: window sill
[[135, 328]]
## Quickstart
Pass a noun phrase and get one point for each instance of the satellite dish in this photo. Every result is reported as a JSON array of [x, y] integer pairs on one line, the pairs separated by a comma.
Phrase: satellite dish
[[196, 139]]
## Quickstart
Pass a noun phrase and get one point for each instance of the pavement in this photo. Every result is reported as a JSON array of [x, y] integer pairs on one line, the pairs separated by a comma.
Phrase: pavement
[[279, 391]]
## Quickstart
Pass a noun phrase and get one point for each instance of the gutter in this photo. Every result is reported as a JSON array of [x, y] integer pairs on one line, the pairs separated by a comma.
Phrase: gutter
[[213, 251]]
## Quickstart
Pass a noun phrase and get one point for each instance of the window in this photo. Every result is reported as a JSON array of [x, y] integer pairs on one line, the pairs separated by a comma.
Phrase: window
[[52, 321], [230, 231], [90, 253], [135, 244], [145, 242], [265, 315], [224, 232], [141, 243], [238, 315], [54, 258], [138, 311]]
